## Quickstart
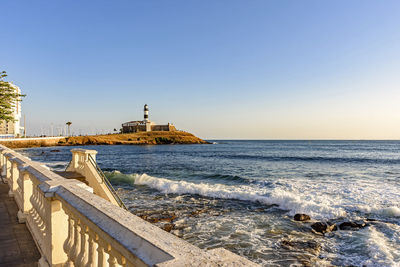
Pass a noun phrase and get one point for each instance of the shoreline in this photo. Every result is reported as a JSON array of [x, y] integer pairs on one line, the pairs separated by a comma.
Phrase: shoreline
[[140, 138]]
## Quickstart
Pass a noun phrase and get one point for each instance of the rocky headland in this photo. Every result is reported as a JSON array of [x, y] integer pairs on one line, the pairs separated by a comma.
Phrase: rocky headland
[[140, 138]]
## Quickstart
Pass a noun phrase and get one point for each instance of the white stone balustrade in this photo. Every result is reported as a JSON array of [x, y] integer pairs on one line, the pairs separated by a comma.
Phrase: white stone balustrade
[[72, 226], [81, 164]]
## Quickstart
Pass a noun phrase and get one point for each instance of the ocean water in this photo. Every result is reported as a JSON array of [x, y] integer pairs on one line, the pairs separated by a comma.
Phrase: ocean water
[[242, 195]]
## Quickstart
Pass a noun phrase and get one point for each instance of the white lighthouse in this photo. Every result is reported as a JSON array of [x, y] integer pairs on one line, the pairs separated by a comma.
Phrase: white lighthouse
[[146, 113], [145, 125]]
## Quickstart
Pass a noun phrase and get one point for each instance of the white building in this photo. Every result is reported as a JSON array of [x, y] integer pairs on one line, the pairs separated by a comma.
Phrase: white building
[[13, 128], [145, 125]]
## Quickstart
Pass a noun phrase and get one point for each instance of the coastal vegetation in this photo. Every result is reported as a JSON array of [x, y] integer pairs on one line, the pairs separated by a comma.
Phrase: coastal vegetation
[[9, 96], [139, 138]]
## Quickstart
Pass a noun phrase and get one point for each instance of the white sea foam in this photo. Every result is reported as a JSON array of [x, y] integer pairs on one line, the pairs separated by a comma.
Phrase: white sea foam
[[391, 211], [286, 200], [323, 199], [381, 250]]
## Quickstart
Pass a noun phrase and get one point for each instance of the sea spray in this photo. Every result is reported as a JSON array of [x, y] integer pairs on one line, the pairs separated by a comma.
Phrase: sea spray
[[285, 200]]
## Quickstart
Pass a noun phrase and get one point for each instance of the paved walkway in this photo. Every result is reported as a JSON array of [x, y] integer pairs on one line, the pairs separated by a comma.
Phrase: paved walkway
[[17, 247]]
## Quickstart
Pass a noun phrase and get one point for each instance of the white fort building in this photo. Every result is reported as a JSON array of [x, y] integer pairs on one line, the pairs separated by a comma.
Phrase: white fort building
[[145, 125]]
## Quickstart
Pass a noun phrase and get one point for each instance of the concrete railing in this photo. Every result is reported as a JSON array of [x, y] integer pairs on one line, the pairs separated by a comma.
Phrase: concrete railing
[[72, 226], [83, 162]]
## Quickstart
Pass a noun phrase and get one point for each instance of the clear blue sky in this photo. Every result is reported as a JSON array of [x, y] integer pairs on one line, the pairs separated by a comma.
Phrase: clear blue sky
[[220, 69]]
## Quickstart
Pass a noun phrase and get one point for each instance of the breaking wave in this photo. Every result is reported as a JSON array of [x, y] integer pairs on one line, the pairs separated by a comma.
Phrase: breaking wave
[[285, 200]]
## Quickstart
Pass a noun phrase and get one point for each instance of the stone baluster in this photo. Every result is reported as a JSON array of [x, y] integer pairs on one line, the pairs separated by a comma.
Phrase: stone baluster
[[70, 239], [2, 162], [116, 259], [112, 261], [77, 241], [10, 177], [14, 175], [102, 253], [35, 204], [93, 257], [8, 169], [83, 254]]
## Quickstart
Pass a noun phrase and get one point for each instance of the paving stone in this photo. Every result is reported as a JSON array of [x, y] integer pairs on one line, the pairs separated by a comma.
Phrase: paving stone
[[17, 247]]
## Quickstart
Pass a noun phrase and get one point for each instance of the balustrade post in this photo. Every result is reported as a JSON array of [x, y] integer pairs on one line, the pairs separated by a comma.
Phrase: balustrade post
[[75, 160], [56, 231], [13, 177], [8, 169], [27, 191], [84, 253], [80, 156], [2, 163], [93, 238], [77, 241], [68, 244]]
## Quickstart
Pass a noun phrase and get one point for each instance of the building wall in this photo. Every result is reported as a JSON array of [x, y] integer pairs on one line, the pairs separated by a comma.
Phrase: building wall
[[7, 128], [13, 128], [166, 128], [133, 129], [143, 128]]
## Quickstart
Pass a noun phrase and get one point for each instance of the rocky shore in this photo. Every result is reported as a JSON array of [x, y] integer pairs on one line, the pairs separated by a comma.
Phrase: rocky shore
[[140, 138]]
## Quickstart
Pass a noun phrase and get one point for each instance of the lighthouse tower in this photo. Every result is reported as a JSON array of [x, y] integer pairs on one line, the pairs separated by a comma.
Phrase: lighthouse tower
[[146, 113], [146, 120]]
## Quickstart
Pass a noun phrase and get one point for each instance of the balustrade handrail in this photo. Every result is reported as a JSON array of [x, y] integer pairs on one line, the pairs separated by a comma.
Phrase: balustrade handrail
[[72, 226], [107, 182]]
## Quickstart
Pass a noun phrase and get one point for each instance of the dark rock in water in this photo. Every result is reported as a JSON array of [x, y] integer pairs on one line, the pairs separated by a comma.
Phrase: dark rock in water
[[301, 217], [310, 245], [155, 218], [55, 150], [322, 227], [335, 228], [168, 227], [197, 212], [351, 225]]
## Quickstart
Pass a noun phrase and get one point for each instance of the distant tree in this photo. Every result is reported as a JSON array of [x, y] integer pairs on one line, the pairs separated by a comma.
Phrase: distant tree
[[8, 98], [69, 124]]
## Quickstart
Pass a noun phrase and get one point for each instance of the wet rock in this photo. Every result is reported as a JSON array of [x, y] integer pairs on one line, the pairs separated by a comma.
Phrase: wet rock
[[55, 150], [333, 226], [144, 217], [301, 217], [259, 210], [309, 245], [351, 225], [178, 233], [155, 218], [197, 212], [168, 227], [215, 213], [322, 227]]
